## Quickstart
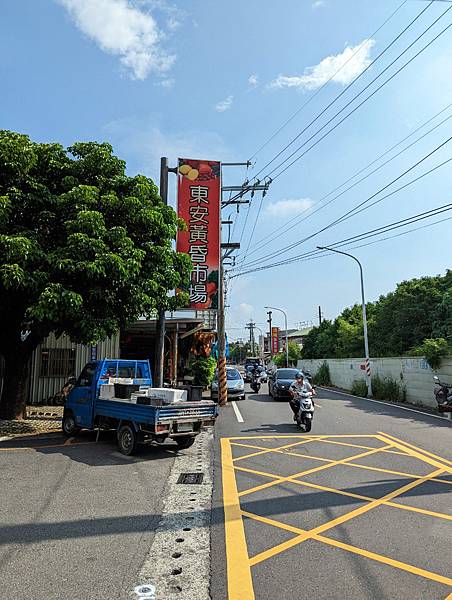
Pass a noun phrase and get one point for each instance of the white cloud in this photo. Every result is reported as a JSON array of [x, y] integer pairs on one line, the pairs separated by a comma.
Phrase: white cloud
[[341, 68], [167, 83], [253, 80], [287, 208], [173, 23], [318, 4], [120, 28], [246, 309], [224, 104]]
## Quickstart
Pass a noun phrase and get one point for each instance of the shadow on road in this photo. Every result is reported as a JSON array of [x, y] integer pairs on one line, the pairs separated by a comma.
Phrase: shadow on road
[[86, 450], [290, 502]]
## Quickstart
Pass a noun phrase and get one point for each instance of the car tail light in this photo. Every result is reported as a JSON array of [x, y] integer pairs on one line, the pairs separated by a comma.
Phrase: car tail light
[[160, 427]]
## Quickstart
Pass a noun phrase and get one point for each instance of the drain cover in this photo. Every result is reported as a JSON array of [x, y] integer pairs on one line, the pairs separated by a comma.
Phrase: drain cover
[[191, 478]]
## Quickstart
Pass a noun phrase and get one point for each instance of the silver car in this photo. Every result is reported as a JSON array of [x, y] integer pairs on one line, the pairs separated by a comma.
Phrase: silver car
[[235, 383]]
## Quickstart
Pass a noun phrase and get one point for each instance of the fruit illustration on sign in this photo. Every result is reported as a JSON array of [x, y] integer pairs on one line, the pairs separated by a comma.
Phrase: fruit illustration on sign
[[192, 174], [184, 169], [205, 169]]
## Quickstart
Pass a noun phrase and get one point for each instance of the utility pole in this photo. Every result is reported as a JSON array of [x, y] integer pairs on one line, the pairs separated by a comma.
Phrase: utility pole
[[160, 327], [236, 199], [320, 316], [269, 321], [251, 326]]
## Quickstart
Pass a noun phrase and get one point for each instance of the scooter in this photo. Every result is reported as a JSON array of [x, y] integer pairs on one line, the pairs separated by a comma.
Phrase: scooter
[[305, 413], [443, 395], [256, 383]]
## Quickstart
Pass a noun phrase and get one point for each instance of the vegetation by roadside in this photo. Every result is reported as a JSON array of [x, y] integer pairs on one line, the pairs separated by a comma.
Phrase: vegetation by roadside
[[383, 388], [416, 319], [419, 407], [323, 377]]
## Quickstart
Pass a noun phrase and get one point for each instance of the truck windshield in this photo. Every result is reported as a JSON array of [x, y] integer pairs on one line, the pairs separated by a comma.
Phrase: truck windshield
[[123, 371]]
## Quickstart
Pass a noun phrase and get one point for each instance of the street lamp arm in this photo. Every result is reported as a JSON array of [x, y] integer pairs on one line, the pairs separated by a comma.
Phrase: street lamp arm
[[363, 304], [287, 334], [341, 252]]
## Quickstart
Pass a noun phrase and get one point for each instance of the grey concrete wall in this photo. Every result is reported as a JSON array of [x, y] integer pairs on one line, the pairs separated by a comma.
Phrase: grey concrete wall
[[413, 373]]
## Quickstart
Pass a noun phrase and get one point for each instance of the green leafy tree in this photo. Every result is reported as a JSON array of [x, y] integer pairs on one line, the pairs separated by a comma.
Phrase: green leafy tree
[[321, 341], [442, 326], [84, 250], [407, 316], [294, 356]]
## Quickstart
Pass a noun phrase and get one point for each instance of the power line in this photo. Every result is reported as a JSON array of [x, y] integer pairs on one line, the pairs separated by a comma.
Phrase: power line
[[359, 237], [311, 98], [363, 101], [347, 88], [349, 213], [300, 219], [356, 108]]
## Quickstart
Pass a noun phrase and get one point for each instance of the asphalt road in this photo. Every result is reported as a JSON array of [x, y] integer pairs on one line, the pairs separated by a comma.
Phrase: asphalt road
[[332, 517], [76, 519]]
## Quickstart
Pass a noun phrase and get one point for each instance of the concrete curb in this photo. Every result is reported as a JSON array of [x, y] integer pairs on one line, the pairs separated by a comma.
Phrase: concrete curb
[[178, 562], [386, 404]]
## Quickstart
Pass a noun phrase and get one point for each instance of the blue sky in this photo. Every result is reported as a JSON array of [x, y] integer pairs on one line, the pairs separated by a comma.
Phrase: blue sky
[[216, 80]]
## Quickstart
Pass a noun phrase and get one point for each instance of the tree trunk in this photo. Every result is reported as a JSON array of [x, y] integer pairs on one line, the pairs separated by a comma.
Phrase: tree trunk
[[12, 404]]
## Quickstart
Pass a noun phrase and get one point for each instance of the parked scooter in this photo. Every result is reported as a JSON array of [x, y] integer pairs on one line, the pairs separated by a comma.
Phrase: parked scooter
[[256, 382], [443, 395], [305, 413]]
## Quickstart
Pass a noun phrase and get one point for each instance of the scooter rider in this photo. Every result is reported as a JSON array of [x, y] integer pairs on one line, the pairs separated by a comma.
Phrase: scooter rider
[[299, 387]]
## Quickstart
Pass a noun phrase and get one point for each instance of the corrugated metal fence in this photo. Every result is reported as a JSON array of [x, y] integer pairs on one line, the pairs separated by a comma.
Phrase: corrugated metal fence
[[56, 359]]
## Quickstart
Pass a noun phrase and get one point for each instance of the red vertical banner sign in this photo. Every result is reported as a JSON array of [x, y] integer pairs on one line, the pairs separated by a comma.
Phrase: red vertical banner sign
[[275, 340], [198, 203]]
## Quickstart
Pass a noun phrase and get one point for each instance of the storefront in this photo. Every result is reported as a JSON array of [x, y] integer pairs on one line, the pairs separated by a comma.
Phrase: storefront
[[57, 359]]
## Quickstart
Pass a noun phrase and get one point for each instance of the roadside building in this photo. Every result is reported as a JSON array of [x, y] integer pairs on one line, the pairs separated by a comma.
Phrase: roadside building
[[57, 359]]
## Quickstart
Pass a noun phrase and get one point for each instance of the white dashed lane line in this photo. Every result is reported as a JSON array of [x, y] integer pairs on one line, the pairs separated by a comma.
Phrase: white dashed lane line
[[237, 412]]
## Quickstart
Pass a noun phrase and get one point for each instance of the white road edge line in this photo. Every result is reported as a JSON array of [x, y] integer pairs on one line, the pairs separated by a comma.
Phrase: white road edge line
[[237, 412], [419, 412]]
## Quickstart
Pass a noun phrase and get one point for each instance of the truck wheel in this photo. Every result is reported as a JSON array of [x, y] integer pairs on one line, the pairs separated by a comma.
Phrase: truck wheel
[[185, 442], [70, 427], [127, 440]]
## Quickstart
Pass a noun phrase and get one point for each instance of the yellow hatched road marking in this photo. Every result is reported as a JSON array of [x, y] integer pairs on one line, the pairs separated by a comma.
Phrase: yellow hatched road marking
[[285, 437], [240, 585], [314, 469], [292, 479], [420, 452], [372, 555], [422, 511], [363, 447], [349, 464], [401, 473], [268, 450], [342, 519]]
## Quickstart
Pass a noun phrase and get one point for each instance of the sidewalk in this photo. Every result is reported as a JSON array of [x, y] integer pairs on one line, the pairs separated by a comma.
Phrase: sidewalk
[[40, 419]]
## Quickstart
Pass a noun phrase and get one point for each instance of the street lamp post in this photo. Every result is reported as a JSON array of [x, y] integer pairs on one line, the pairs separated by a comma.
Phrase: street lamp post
[[363, 302], [287, 335], [261, 353]]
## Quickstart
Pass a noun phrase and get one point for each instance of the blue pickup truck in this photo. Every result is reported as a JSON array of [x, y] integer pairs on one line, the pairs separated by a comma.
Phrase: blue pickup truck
[[88, 407]]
